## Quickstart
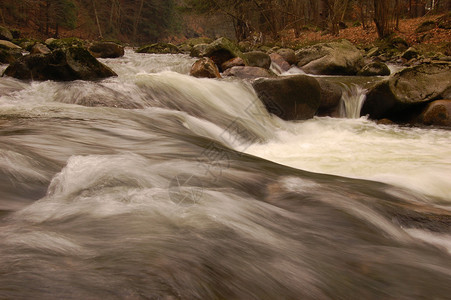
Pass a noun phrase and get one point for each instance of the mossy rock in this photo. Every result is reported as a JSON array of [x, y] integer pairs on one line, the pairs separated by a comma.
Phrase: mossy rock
[[8, 56], [65, 43], [5, 34], [426, 26], [159, 48], [445, 21], [199, 40]]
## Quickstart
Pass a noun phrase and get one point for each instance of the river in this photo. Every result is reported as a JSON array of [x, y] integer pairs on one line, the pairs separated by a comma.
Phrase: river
[[158, 185]]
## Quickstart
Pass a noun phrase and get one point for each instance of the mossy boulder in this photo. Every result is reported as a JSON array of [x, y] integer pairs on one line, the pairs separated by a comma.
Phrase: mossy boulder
[[410, 53], [406, 90], [159, 48], [288, 55], [199, 40], [106, 50], [374, 69], [334, 58], [65, 64], [64, 43], [426, 26], [8, 45], [5, 34], [220, 51], [290, 98], [8, 56], [39, 48]]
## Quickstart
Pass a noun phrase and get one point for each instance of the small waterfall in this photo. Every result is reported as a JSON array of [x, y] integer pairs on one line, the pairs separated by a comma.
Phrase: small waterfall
[[352, 100]]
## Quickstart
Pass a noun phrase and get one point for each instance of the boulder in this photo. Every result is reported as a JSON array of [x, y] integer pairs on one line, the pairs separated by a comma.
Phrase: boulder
[[8, 45], [437, 113], [5, 34], [288, 55], [281, 64], [234, 62], [406, 89], [205, 68], [106, 50], [410, 54], [71, 63], [290, 98], [220, 51], [199, 40], [258, 59], [248, 72], [159, 48], [331, 93], [374, 69], [8, 56], [39, 48], [334, 58]]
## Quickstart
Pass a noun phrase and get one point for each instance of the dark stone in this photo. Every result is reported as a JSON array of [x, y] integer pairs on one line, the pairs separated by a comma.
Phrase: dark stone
[[406, 90], [106, 50], [258, 59], [67, 64], [248, 72], [8, 56], [290, 98], [159, 48], [410, 54], [426, 26], [445, 21], [205, 68], [374, 69], [64, 43]]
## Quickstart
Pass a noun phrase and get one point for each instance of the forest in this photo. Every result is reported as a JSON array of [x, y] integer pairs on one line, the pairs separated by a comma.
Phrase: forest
[[143, 21]]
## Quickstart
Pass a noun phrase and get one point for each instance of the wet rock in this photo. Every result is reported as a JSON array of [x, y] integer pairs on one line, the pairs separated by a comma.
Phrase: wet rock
[[248, 72], [234, 62], [290, 98], [437, 113], [159, 48], [258, 59], [199, 50], [67, 64], [281, 64], [5, 34], [40, 49], [331, 93], [374, 69], [406, 90], [335, 58], [205, 68], [106, 50], [288, 55]]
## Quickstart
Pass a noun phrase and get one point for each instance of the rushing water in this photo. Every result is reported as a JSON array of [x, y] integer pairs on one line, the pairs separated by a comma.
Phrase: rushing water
[[143, 187]]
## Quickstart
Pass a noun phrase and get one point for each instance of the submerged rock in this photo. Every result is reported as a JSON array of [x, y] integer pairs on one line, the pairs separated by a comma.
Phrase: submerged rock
[[106, 50], [407, 89], [290, 98], [205, 68], [61, 65], [335, 58]]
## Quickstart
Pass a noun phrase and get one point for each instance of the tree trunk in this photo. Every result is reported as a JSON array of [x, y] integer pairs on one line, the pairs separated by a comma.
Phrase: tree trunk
[[137, 19], [97, 18]]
